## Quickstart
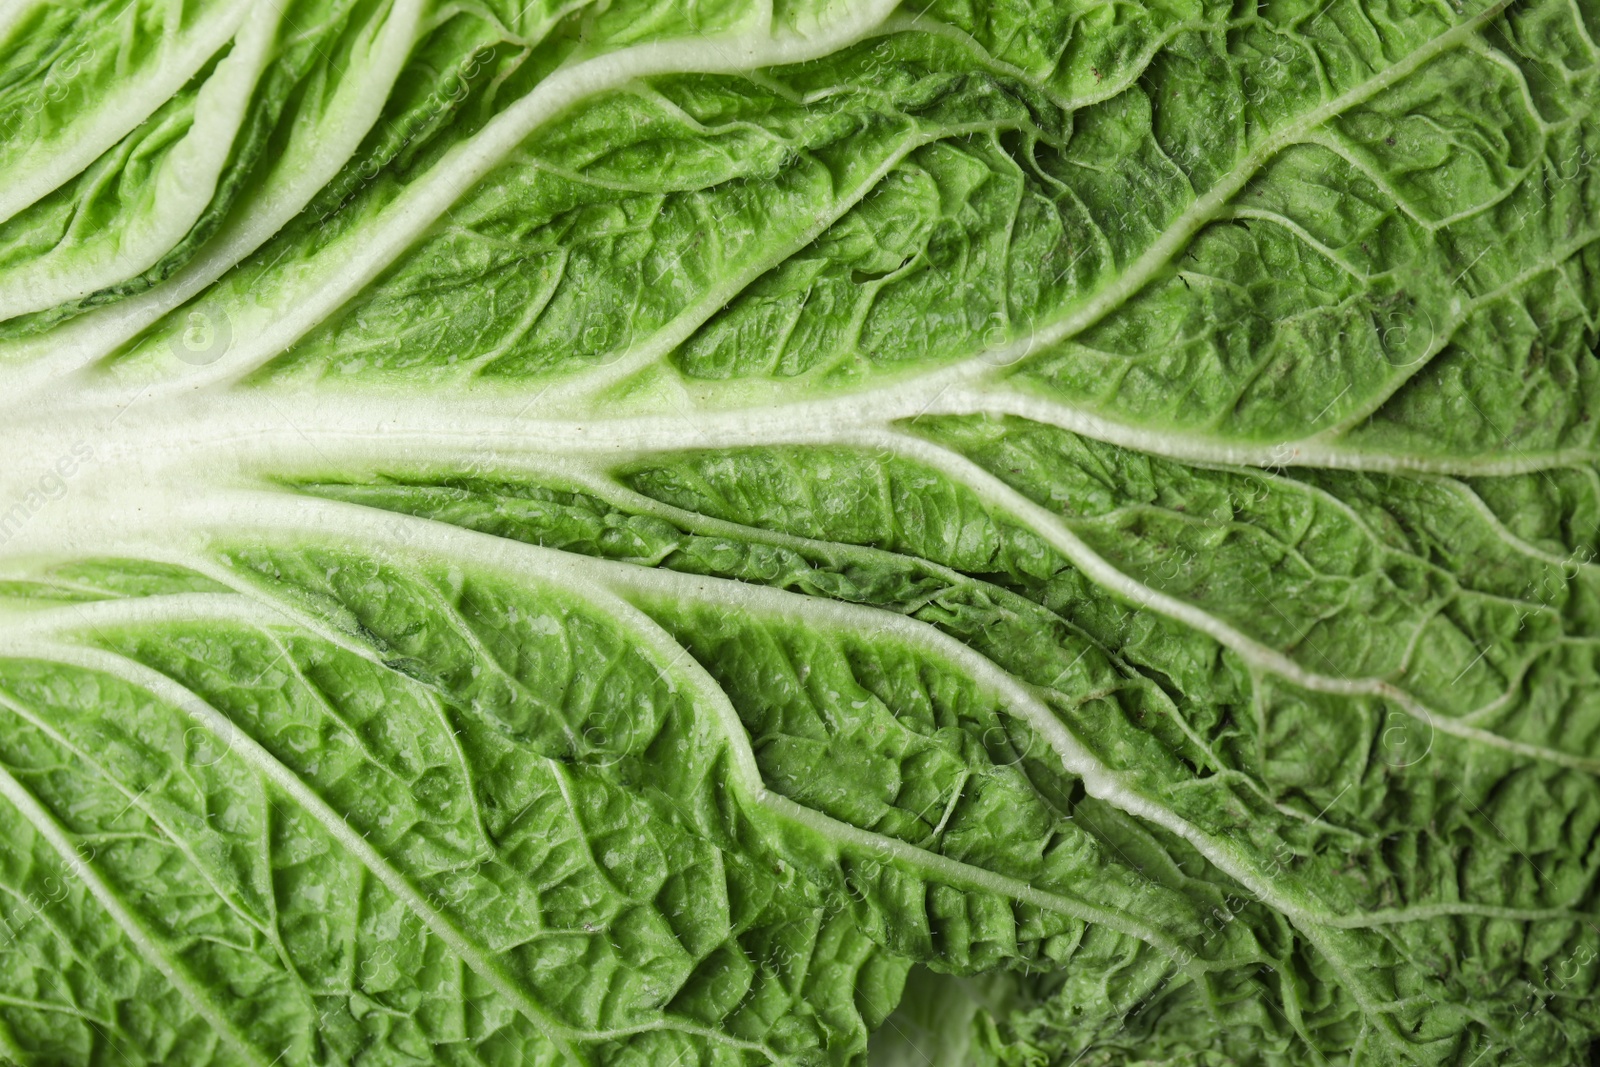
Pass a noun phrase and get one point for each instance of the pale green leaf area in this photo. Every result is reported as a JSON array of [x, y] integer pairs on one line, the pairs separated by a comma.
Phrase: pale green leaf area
[[824, 533]]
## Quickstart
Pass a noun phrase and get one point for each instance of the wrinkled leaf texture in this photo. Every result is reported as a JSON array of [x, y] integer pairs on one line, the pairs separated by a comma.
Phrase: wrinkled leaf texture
[[699, 532]]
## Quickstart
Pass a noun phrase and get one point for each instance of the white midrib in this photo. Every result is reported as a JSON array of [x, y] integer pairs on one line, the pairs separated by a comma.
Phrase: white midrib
[[159, 457], [203, 440]]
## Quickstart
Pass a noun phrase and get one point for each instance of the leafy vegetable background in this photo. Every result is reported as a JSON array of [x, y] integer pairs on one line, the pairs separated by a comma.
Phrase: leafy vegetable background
[[689, 532]]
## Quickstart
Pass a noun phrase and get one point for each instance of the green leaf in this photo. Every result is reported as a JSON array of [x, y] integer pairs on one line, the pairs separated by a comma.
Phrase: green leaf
[[661, 533]]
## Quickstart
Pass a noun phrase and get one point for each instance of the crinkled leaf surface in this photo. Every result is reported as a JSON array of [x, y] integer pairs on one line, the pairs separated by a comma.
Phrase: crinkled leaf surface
[[663, 533]]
